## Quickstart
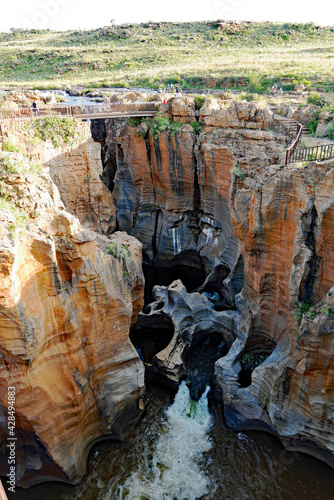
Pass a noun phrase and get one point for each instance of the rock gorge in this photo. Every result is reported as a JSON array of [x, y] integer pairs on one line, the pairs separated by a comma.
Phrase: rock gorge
[[233, 245]]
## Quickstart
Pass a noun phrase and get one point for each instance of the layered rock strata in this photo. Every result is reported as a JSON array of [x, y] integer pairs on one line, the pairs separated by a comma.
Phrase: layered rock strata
[[282, 219], [68, 298]]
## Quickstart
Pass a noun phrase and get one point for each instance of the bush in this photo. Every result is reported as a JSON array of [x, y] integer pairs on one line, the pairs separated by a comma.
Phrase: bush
[[312, 125], [160, 123], [120, 252], [252, 360], [9, 147], [303, 307], [237, 172], [316, 99], [196, 126], [199, 101], [56, 130], [330, 131]]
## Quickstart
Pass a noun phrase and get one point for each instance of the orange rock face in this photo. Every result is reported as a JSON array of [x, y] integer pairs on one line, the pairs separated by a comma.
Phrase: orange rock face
[[283, 219], [66, 307]]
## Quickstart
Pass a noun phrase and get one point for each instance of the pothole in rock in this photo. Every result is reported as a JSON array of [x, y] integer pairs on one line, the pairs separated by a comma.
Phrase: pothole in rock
[[215, 290], [151, 334], [200, 360], [187, 266], [255, 353]]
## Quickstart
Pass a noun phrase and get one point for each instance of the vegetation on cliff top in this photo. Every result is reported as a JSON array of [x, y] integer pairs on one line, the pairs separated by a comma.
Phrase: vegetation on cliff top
[[159, 53]]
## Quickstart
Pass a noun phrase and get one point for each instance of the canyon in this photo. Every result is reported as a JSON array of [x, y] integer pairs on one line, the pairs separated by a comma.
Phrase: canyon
[[188, 253]]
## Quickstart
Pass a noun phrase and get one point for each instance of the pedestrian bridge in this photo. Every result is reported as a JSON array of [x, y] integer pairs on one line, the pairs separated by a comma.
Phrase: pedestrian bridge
[[94, 111]]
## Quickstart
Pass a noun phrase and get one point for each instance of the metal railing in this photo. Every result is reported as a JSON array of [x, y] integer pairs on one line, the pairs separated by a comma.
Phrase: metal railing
[[313, 153], [94, 109], [291, 149]]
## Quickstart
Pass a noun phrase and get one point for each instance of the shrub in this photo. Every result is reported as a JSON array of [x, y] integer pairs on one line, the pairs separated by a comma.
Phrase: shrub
[[17, 163], [316, 99], [20, 217], [330, 131], [196, 126], [303, 307], [56, 130], [160, 123], [9, 147], [255, 83], [252, 360], [120, 252], [237, 172], [312, 125], [199, 101]]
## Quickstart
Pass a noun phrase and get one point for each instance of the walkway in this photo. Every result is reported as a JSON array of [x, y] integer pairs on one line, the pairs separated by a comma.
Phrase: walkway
[[101, 111]]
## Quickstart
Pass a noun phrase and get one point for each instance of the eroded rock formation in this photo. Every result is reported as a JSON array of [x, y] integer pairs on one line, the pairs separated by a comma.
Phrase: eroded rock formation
[[237, 247], [282, 220], [267, 225], [66, 307]]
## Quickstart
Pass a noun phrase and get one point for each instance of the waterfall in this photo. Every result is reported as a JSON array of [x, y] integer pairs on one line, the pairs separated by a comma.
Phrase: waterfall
[[177, 241], [171, 469]]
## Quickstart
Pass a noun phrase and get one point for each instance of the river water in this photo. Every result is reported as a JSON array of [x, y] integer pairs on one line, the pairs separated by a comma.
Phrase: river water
[[182, 450]]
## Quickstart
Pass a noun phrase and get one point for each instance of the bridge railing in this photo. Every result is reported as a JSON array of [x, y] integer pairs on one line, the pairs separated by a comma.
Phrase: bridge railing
[[313, 153], [93, 109], [16, 114]]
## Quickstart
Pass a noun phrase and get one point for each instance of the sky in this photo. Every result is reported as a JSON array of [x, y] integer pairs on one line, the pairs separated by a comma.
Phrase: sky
[[81, 14]]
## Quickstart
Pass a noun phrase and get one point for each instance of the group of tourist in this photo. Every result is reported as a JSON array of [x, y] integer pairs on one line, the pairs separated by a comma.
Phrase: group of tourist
[[274, 91], [171, 89]]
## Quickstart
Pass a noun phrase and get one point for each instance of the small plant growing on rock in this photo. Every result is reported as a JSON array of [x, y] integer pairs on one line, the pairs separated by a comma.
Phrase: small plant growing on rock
[[303, 308], [199, 101], [237, 173], [196, 126], [120, 252]]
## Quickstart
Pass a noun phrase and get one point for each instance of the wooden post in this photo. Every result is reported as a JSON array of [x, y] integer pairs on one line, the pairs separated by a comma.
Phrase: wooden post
[[316, 153]]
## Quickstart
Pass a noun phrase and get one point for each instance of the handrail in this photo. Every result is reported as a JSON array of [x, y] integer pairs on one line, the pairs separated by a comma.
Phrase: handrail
[[313, 153], [15, 114], [290, 150]]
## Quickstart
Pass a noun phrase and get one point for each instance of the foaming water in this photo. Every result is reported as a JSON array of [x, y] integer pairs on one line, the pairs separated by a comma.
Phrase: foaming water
[[249, 465], [171, 468]]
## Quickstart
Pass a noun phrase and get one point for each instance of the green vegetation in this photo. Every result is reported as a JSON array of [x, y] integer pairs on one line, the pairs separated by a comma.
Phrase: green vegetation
[[237, 173], [120, 252], [312, 125], [196, 126], [199, 101], [152, 55], [302, 308], [316, 99], [158, 124], [17, 164], [306, 309], [20, 217], [9, 147], [56, 129], [252, 360], [330, 131]]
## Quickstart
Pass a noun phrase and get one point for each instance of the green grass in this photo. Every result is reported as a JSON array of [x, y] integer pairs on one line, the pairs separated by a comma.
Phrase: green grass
[[184, 53]]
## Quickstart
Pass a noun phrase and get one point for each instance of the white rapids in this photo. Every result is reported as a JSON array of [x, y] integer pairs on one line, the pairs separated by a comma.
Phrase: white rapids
[[171, 470]]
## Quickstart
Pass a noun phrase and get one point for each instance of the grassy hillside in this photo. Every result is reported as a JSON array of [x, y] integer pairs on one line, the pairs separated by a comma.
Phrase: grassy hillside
[[160, 53]]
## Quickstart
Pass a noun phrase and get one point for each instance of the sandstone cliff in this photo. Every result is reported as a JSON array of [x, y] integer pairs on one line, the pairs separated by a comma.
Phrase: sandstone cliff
[[66, 307], [239, 248], [257, 238]]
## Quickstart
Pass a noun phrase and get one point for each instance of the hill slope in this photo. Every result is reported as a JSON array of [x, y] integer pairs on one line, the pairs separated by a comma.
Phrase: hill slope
[[155, 54]]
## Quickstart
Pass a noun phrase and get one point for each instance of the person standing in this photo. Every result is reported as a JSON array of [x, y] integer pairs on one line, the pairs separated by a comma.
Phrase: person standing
[[35, 109]]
